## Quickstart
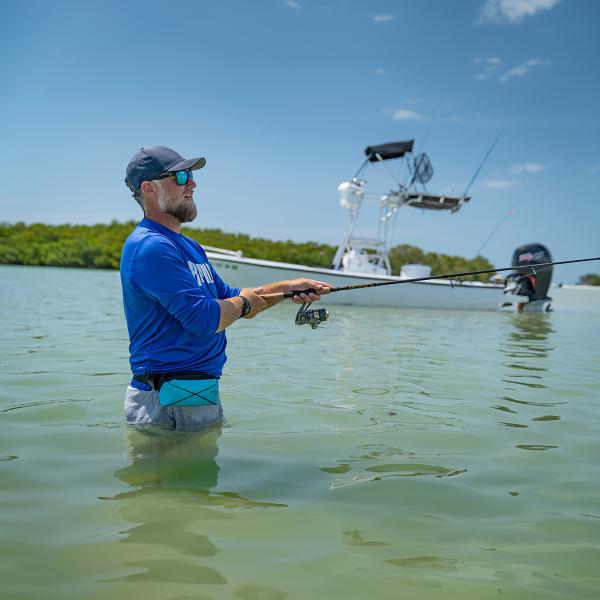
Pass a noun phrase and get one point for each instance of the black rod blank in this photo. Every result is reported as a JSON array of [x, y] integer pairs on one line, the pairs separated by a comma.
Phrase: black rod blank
[[450, 276]]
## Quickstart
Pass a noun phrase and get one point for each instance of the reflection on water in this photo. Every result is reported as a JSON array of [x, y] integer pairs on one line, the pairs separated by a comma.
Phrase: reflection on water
[[356, 538], [170, 472], [437, 563], [529, 338], [527, 348], [366, 466], [171, 459]]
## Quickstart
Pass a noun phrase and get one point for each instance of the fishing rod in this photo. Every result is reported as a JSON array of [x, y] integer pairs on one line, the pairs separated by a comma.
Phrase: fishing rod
[[478, 170], [500, 222], [449, 276], [316, 316]]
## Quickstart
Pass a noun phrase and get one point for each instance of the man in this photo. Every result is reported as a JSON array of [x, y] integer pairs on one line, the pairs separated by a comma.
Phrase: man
[[176, 306]]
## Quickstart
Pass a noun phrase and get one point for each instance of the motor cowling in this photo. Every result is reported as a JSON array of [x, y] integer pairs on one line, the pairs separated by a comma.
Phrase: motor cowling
[[533, 283]]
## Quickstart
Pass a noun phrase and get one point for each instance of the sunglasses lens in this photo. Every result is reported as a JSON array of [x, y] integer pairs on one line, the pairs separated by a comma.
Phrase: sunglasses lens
[[183, 177]]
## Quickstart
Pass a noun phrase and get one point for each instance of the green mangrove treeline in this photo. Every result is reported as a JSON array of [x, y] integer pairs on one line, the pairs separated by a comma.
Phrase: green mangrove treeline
[[99, 247], [589, 279]]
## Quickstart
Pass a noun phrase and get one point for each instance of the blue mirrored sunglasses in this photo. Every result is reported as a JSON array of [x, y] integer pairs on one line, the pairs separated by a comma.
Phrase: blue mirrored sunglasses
[[182, 177]]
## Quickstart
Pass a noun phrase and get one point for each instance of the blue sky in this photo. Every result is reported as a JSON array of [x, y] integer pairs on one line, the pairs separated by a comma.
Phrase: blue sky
[[283, 97]]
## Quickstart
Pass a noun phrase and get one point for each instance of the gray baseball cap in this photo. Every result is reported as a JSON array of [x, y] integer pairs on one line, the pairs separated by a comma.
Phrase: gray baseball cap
[[149, 163]]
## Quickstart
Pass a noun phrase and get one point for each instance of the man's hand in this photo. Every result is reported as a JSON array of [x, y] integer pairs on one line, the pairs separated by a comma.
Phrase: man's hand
[[257, 303], [270, 294], [320, 287]]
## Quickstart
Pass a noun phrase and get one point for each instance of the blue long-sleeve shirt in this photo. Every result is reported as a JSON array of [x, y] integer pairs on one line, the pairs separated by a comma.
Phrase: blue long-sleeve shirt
[[170, 293]]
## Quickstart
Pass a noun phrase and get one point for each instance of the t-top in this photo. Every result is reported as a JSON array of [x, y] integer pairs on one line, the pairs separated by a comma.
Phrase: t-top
[[170, 293]]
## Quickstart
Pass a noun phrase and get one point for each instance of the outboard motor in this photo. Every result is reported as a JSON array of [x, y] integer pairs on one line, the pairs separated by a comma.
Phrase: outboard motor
[[533, 283]]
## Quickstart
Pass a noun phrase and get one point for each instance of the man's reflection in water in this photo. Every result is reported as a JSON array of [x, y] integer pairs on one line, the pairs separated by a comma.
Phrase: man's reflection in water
[[172, 459], [172, 473]]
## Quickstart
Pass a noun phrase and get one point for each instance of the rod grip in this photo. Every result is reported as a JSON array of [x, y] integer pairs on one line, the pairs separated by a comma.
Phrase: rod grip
[[275, 295], [320, 291], [293, 293]]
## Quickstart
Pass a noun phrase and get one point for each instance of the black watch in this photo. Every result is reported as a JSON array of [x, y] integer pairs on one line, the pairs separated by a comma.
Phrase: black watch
[[246, 308]]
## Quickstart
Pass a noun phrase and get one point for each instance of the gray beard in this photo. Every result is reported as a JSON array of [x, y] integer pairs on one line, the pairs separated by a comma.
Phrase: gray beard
[[184, 212]]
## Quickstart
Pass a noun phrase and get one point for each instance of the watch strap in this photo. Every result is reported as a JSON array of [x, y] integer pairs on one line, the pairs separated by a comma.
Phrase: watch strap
[[246, 308]]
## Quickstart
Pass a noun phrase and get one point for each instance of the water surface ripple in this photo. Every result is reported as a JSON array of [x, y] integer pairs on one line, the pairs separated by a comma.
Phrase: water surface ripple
[[395, 454]]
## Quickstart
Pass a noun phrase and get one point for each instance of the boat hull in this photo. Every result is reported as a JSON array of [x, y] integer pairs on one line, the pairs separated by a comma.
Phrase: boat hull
[[440, 294]]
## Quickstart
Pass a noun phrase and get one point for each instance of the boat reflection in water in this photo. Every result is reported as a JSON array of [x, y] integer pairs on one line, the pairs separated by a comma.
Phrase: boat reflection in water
[[529, 339], [527, 350]]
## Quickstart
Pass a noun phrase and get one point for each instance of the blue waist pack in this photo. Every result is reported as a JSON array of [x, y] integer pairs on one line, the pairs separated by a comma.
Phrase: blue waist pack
[[182, 388], [189, 392]]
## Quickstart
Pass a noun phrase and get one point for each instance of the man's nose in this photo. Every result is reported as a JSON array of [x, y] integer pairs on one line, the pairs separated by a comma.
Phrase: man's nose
[[191, 183]]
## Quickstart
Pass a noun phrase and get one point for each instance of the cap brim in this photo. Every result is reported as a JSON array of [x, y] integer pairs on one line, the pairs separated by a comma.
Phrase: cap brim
[[192, 164]]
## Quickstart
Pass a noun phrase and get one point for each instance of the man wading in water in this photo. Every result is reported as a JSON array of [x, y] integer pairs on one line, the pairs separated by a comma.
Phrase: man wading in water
[[176, 305]]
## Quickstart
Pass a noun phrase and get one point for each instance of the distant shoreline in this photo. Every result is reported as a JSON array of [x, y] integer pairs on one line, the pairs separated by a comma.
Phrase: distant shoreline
[[575, 286], [99, 247]]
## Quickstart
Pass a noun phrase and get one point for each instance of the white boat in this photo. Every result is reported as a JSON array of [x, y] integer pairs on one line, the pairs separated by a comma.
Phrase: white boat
[[366, 260], [249, 272]]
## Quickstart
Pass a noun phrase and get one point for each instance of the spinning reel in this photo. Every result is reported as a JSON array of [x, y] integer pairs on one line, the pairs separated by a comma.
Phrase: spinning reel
[[313, 317]]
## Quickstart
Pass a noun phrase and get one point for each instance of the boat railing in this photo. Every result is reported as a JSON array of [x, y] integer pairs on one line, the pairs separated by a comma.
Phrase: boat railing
[[237, 253], [370, 243]]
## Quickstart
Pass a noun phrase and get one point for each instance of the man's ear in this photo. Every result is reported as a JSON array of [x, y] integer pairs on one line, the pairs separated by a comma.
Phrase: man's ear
[[147, 187]]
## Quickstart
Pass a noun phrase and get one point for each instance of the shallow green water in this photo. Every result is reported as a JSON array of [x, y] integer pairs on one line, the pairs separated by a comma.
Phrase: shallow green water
[[396, 454]]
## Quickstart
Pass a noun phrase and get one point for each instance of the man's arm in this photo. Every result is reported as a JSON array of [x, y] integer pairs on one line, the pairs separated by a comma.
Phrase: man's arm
[[231, 308]]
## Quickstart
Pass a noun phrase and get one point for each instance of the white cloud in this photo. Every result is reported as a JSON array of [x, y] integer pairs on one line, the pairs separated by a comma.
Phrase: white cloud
[[490, 67], [492, 60], [403, 114], [380, 71], [293, 4], [522, 69], [499, 184], [529, 168], [383, 18], [512, 11]]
